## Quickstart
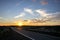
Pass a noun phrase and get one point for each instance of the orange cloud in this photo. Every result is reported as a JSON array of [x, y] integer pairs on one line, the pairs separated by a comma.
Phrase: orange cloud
[[44, 2]]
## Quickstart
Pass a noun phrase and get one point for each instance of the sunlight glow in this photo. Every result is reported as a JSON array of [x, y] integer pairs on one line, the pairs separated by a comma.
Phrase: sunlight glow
[[20, 24]]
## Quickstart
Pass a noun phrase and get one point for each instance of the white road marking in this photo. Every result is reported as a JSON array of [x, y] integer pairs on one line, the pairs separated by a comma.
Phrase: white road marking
[[22, 34]]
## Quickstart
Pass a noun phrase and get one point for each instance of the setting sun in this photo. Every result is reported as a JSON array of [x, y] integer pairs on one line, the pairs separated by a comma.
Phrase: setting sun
[[20, 24]]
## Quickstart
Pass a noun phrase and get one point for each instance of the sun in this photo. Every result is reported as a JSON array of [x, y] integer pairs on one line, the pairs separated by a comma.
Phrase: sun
[[20, 24]]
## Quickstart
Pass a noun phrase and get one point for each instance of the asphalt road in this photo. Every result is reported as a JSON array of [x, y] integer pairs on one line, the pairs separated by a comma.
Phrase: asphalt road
[[34, 35]]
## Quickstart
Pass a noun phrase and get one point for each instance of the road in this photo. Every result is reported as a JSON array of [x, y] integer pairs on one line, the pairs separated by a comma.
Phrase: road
[[34, 35]]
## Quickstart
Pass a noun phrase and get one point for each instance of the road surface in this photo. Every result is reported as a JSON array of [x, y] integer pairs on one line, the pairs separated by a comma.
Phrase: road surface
[[34, 35]]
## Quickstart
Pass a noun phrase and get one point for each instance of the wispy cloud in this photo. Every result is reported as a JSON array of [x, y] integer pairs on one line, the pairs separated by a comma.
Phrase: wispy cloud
[[1, 17], [18, 3], [44, 15], [56, 16], [42, 12], [43, 2], [28, 10], [48, 16], [21, 15]]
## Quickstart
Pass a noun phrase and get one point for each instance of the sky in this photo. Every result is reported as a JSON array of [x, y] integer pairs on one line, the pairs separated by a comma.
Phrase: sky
[[11, 10]]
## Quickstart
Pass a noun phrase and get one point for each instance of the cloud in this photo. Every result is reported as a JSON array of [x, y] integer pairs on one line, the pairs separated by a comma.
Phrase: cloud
[[1, 17], [44, 2], [18, 3], [48, 16], [28, 10], [56, 16], [44, 15], [21, 15], [42, 12]]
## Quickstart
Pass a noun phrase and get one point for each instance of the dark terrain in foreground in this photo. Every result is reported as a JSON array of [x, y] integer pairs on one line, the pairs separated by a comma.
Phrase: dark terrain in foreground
[[49, 30], [6, 33]]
